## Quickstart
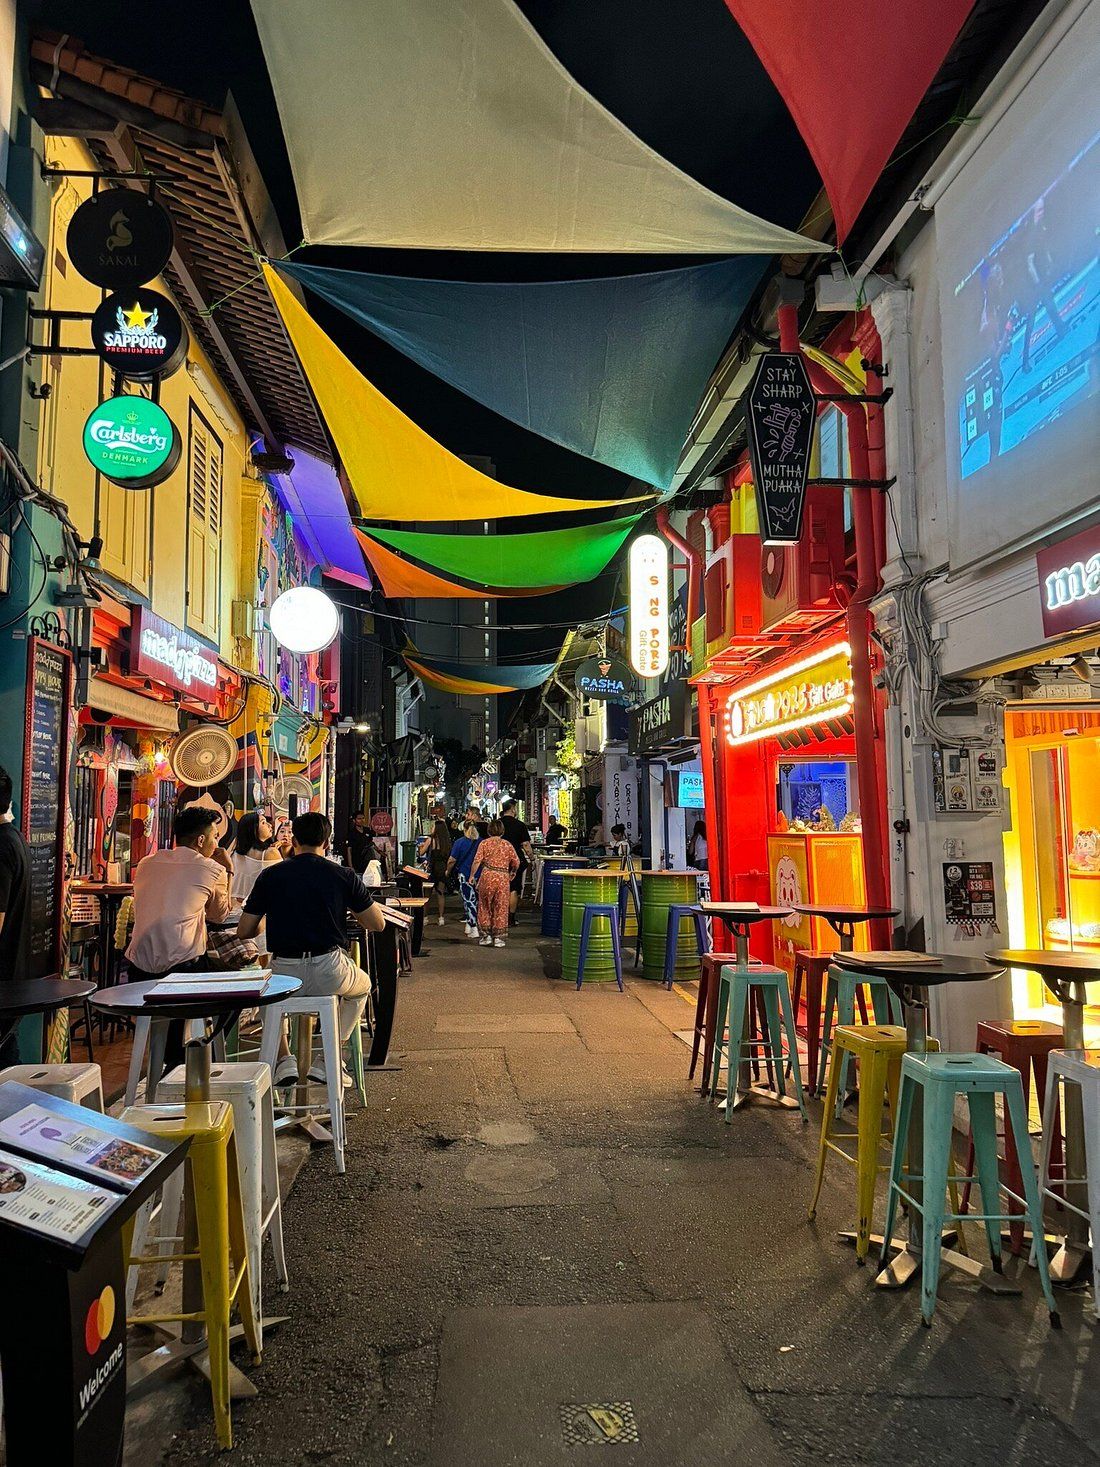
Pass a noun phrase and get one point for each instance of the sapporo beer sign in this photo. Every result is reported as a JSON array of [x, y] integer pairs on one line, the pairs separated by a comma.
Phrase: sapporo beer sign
[[120, 238], [131, 441], [140, 334], [781, 412]]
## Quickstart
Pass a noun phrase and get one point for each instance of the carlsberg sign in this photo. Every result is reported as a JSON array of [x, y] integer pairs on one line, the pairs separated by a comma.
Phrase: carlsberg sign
[[131, 441]]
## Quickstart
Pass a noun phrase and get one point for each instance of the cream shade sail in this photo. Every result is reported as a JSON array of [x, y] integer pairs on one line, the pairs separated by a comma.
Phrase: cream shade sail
[[449, 124]]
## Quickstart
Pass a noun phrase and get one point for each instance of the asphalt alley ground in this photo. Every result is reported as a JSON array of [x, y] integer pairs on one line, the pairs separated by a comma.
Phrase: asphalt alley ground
[[546, 1243]]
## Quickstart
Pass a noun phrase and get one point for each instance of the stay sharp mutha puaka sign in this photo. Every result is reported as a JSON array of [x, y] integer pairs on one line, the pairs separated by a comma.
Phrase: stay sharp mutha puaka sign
[[780, 418]]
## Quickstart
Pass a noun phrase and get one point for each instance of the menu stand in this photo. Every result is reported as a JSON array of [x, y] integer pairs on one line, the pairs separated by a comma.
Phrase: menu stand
[[63, 1325]]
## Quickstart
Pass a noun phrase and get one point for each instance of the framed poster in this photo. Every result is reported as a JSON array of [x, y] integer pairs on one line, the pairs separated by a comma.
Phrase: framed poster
[[45, 751]]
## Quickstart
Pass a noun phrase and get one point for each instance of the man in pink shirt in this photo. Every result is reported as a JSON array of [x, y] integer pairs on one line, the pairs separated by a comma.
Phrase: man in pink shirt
[[176, 892]]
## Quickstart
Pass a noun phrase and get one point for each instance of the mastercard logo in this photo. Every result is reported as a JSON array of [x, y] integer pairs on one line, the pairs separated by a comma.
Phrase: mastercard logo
[[99, 1320]]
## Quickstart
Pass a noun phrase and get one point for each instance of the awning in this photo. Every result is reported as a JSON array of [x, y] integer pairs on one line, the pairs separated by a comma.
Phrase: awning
[[312, 494], [134, 709]]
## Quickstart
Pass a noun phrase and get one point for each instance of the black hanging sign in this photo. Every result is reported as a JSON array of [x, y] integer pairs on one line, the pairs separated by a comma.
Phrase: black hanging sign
[[606, 678], [120, 238], [780, 416], [140, 334], [46, 748]]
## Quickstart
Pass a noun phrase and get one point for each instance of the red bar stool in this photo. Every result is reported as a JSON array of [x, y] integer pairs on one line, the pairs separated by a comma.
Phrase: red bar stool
[[811, 967], [1025, 1044], [706, 1012]]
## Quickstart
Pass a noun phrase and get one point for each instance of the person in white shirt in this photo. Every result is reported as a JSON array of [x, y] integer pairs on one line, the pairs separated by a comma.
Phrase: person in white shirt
[[697, 847], [176, 892]]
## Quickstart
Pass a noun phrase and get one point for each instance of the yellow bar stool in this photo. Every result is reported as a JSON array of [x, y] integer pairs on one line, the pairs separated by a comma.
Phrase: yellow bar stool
[[213, 1194], [877, 1048]]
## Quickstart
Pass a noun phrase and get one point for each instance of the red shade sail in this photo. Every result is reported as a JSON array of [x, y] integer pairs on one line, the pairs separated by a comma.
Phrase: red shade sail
[[852, 73]]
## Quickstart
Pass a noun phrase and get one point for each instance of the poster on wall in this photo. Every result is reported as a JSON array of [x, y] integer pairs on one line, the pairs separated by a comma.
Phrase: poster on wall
[[969, 899], [620, 798], [45, 745]]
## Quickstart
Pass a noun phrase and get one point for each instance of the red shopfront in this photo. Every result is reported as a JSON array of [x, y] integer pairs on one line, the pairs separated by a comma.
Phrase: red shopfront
[[152, 680]]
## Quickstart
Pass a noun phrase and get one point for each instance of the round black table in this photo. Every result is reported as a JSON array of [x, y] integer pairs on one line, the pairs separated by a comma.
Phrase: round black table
[[1065, 974], [844, 919], [740, 919], [25, 996], [911, 982], [128, 1000]]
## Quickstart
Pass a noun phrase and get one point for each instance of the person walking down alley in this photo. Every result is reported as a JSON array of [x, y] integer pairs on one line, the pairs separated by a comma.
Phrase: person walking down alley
[[306, 902], [439, 853], [461, 861], [494, 867], [519, 837]]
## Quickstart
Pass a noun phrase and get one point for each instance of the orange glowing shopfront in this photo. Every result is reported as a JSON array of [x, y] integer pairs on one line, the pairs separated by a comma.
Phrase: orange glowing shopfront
[[787, 792]]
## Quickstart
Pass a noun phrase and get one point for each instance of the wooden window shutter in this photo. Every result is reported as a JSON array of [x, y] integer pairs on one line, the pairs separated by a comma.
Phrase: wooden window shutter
[[204, 530]]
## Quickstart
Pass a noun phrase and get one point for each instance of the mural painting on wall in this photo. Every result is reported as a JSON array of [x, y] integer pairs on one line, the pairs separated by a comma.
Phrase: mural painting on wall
[[283, 562]]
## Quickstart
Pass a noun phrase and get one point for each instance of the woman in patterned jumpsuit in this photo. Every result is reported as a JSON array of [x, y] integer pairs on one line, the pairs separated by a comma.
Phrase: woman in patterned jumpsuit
[[494, 866]]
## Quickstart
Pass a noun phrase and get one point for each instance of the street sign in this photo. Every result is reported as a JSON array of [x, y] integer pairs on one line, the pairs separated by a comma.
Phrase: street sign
[[120, 238], [131, 441], [780, 413], [140, 334]]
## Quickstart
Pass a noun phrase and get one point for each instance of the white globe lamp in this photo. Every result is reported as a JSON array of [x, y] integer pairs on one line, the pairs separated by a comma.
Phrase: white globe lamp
[[304, 619]]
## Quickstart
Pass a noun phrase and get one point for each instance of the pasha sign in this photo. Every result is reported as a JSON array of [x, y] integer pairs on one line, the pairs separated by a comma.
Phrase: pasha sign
[[1069, 583], [648, 608], [164, 652], [606, 678], [140, 334], [780, 413], [659, 721], [120, 238], [131, 441], [812, 691]]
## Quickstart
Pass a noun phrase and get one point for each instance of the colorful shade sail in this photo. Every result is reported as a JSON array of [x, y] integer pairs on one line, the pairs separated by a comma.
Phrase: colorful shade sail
[[417, 124], [531, 559], [312, 494], [464, 678], [611, 368], [400, 577], [852, 73], [396, 469]]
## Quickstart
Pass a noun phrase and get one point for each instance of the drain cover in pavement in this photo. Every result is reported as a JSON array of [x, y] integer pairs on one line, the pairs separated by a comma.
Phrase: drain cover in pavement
[[598, 1423]]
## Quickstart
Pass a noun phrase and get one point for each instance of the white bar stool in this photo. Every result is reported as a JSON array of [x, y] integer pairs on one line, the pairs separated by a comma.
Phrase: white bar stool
[[80, 1084], [326, 1012], [1078, 1067], [247, 1088], [151, 1035]]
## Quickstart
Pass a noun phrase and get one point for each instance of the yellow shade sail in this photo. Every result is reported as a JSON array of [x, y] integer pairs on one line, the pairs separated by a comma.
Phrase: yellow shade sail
[[398, 471]]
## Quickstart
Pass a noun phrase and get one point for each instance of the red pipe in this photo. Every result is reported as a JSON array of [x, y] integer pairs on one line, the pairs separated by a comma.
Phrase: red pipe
[[859, 632], [694, 565]]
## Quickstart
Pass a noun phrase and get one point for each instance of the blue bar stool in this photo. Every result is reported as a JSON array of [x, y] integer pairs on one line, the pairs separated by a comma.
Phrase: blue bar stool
[[980, 1077], [594, 911], [677, 914], [842, 989], [736, 988]]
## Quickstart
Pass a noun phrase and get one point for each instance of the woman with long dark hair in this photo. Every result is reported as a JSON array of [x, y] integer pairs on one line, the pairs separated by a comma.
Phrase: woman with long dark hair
[[254, 849], [439, 853]]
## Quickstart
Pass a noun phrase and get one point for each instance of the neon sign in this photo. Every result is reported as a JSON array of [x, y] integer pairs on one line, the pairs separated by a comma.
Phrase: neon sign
[[1069, 578], [648, 615], [812, 691]]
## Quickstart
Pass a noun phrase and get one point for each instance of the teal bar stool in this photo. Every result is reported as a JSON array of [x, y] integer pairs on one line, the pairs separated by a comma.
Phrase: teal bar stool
[[735, 991], [843, 989], [980, 1077]]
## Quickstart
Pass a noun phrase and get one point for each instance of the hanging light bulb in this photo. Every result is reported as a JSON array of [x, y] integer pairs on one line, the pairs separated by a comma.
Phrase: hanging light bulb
[[304, 619]]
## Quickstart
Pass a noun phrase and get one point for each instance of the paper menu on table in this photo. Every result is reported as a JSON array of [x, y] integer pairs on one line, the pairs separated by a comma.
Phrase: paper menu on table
[[35, 1196], [79, 1143]]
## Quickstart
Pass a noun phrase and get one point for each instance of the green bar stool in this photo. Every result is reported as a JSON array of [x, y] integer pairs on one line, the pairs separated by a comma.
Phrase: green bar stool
[[980, 1077], [736, 987], [843, 989]]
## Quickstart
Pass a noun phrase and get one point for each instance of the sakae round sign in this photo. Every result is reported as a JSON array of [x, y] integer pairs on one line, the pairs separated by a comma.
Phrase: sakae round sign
[[120, 238], [131, 441]]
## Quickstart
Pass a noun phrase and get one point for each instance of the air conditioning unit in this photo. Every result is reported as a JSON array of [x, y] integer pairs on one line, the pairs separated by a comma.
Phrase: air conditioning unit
[[798, 582]]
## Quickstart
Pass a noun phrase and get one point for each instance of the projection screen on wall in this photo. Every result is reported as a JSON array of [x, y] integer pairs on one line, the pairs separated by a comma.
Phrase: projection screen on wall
[[1019, 268]]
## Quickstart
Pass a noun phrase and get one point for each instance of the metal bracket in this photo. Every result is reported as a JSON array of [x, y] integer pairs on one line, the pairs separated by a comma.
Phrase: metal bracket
[[879, 397], [882, 484], [53, 347], [105, 175]]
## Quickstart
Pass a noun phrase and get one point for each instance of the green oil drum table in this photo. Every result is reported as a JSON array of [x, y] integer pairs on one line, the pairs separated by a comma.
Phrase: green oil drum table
[[578, 889], [660, 890]]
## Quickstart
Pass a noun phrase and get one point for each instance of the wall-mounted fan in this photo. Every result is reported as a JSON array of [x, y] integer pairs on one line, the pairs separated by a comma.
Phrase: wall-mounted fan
[[292, 784], [203, 755]]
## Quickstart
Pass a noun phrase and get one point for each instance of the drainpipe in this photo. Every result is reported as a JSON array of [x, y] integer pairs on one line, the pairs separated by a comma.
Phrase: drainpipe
[[859, 630], [694, 566]]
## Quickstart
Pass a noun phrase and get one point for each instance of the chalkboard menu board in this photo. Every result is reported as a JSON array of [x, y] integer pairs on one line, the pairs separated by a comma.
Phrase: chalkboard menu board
[[46, 743]]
